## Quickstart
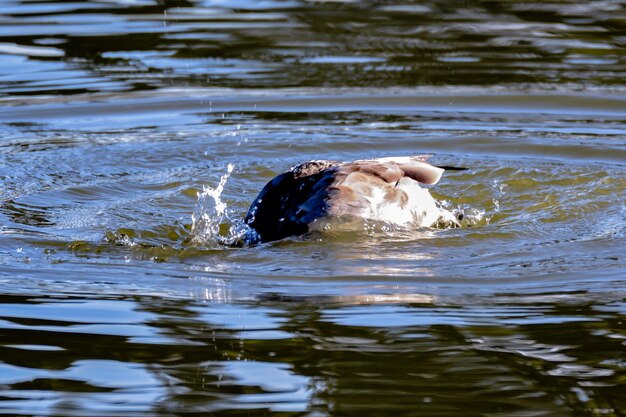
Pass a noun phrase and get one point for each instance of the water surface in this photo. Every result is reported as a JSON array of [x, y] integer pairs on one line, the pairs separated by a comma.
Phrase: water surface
[[116, 115]]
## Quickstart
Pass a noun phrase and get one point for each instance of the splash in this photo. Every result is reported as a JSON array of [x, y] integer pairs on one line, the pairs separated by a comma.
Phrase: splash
[[211, 224], [470, 216], [210, 212], [466, 215]]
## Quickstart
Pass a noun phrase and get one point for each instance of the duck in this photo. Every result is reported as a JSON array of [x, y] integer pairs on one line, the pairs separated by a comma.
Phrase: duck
[[388, 190]]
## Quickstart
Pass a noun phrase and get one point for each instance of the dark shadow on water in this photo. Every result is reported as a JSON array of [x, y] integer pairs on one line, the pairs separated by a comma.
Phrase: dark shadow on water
[[144, 46], [561, 358]]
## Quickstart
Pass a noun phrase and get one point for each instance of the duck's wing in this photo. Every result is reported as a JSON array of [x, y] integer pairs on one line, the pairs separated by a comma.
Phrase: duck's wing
[[422, 172], [415, 167], [399, 159]]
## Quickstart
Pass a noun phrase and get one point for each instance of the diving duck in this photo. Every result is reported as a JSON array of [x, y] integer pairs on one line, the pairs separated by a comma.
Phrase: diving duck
[[384, 189]]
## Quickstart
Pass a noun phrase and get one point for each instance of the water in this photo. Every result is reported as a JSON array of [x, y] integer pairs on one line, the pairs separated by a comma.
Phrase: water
[[121, 121]]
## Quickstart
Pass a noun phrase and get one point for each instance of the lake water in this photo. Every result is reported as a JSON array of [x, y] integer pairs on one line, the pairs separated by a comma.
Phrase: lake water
[[119, 118]]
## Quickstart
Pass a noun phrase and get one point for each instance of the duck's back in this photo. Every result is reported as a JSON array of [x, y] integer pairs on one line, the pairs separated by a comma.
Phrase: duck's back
[[289, 202]]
